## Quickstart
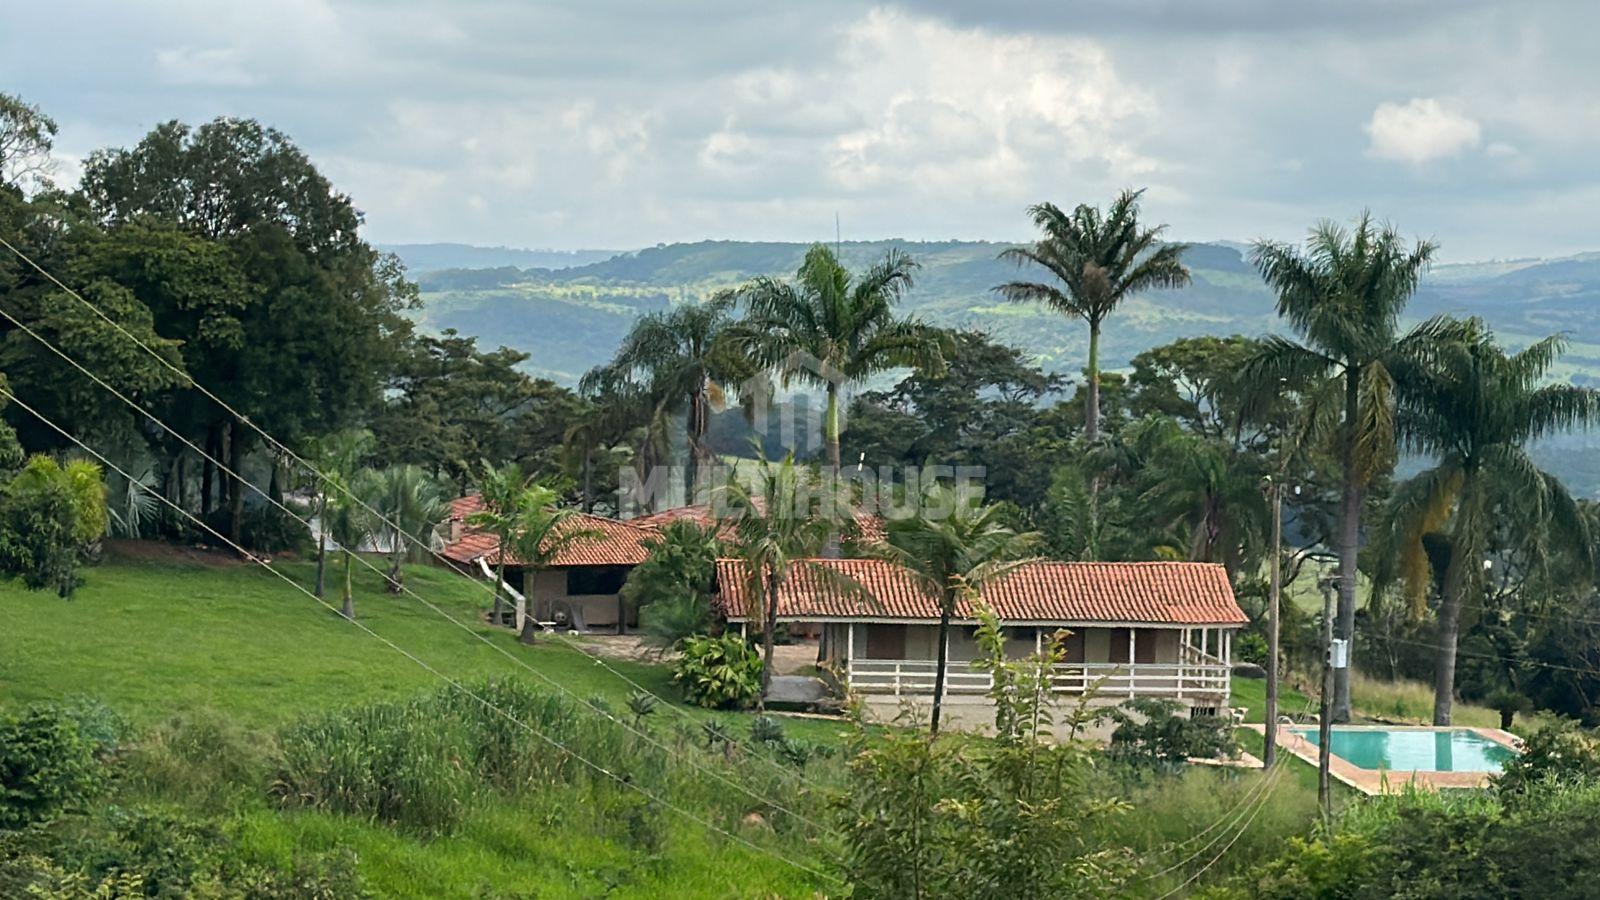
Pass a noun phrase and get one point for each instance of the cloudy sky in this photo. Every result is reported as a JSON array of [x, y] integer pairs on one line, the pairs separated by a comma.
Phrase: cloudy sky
[[623, 123]]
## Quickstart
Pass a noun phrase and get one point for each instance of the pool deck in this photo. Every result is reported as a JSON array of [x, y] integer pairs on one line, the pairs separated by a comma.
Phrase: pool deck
[[1383, 781]]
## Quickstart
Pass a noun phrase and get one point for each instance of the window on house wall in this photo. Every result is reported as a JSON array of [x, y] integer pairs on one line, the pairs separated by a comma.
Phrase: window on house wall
[[596, 580]]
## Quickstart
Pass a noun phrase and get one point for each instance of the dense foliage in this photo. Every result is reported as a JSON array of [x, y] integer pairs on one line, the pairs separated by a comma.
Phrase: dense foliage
[[720, 672]]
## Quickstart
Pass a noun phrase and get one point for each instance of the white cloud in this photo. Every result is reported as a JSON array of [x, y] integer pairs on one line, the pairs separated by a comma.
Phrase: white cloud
[[1420, 131], [217, 67]]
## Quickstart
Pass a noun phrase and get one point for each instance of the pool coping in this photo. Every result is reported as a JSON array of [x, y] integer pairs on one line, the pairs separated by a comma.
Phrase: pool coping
[[1387, 781]]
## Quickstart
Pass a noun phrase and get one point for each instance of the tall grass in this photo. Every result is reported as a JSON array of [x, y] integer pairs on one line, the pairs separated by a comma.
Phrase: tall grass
[[424, 764], [1412, 701]]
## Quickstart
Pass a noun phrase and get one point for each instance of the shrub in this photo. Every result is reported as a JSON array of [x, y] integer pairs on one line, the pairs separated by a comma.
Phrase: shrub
[[268, 529], [47, 764], [1561, 753], [1251, 648], [672, 587], [1155, 733], [49, 514], [718, 672]]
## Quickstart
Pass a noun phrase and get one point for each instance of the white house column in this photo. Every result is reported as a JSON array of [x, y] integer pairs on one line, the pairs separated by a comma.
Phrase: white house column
[[1133, 633]]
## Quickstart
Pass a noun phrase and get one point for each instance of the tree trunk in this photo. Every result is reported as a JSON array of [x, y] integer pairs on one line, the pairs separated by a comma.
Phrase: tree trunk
[[498, 615], [1349, 544], [768, 636], [588, 479], [397, 557], [208, 471], [275, 483], [1457, 580], [522, 618], [525, 620], [943, 661], [1091, 406], [322, 553], [236, 497], [349, 609], [183, 480], [830, 427]]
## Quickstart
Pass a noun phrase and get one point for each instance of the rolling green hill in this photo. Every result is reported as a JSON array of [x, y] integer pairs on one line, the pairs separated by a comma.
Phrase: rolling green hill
[[570, 319]]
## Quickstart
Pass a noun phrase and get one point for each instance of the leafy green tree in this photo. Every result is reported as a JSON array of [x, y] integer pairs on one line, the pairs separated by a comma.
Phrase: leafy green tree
[[409, 506], [829, 330], [718, 672], [297, 272], [542, 531], [1097, 260], [1474, 408], [685, 357], [785, 515], [1344, 294], [1205, 487], [951, 548], [450, 404], [49, 516]]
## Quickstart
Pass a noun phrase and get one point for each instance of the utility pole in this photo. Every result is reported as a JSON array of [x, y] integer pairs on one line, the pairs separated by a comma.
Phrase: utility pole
[[1325, 713], [1269, 754]]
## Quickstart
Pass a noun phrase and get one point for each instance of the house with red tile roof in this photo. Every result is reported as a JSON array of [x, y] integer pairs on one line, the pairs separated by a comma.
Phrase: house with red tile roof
[[582, 587], [1126, 630]]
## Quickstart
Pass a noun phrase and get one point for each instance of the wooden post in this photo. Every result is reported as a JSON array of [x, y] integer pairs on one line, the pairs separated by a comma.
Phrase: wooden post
[[850, 653], [1269, 754], [1132, 634], [1183, 634]]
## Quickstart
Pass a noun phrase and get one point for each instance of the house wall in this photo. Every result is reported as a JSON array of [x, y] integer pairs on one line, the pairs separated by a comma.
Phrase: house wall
[[922, 642], [548, 594]]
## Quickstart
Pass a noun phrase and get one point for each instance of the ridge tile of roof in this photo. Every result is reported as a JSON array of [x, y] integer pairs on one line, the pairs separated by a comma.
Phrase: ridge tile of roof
[[619, 543], [1163, 593]]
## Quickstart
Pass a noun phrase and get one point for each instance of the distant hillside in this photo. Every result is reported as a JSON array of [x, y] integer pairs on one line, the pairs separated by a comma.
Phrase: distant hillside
[[572, 318], [421, 258]]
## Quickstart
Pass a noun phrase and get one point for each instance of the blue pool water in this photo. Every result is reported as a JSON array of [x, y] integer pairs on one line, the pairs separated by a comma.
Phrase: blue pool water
[[1456, 750]]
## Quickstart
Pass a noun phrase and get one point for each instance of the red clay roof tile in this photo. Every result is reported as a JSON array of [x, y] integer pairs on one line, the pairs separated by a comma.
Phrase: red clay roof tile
[[1166, 593]]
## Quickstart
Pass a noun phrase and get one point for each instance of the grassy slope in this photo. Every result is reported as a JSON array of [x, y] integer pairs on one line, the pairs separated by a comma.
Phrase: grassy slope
[[158, 638]]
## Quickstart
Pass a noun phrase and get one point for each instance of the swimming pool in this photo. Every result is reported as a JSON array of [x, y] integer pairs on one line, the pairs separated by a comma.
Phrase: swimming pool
[[1414, 749]]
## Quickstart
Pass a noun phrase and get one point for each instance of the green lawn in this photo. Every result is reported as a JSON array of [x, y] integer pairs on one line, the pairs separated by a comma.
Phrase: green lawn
[[213, 637], [153, 638]]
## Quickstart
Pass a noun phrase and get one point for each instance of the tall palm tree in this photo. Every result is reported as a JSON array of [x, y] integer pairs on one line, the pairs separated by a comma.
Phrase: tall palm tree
[[1343, 294], [504, 490], [785, 516], [339, 456], [683, 357], [1097, 260], [952, 548], [831, 330], [541, 532], [1474, 408], [409, 504]]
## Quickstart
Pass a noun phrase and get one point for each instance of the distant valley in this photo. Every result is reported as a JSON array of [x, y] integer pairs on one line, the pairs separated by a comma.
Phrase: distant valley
[[569, 311]]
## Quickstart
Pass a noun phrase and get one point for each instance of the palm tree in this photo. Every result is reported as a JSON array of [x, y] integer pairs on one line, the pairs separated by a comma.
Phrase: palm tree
[[503, 491], [409, 505], [952, 548], [1097, 260], [541, 532], [347, 521], [1475, 408], [682, 356], [338, 456], [786, 515], [1343, 294], [1211, 491], [830, 330]]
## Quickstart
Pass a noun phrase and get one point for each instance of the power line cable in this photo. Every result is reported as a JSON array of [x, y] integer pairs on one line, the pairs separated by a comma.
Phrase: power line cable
[[553, 742], [588, 703], [283, 449]]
